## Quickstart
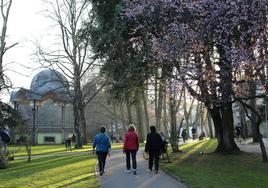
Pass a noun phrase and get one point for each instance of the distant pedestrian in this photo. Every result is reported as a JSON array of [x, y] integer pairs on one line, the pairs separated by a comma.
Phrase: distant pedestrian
[[184, 135], [238, 133], [154, 145], [193, 130], [131, 146], [103, 146], [5, 138]]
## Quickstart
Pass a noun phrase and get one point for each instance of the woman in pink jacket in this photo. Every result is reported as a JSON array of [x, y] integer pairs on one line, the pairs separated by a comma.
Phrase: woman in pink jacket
[[131, 146]]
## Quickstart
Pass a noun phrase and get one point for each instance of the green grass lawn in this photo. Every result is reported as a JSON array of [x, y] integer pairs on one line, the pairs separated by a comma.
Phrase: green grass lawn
[[77, 170], [65, 171], [50, 149], [211, 170]]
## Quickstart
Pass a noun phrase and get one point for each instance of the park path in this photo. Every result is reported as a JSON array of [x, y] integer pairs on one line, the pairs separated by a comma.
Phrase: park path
[[117, 177], [250, 147]]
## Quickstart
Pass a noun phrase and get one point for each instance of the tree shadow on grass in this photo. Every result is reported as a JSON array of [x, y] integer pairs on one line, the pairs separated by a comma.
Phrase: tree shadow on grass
[[206, 145], [82, 178], [39, 150], [21, 170], [35, 161], [189, 151]]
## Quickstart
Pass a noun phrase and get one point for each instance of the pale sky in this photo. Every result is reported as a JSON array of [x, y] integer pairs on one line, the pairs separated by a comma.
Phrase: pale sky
[[26, 24]]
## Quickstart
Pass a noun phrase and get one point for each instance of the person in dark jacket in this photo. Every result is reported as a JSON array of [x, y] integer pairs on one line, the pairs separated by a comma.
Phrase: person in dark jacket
[[5, 138], [103, 146], [131, 146], [193, 132], [154, 145], [184, 135]]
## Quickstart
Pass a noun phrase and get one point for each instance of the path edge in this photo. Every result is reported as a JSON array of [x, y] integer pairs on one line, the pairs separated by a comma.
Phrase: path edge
[[172, 175], [97, 174]]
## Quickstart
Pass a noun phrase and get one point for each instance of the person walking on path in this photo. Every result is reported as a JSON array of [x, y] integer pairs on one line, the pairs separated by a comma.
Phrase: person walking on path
[[5, 139], [103, 146], [153, 146], [193, 132], [131, 146], [184, 135]]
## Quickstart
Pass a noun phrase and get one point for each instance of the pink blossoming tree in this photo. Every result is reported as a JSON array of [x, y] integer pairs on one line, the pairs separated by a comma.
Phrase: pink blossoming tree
[[208, 43]]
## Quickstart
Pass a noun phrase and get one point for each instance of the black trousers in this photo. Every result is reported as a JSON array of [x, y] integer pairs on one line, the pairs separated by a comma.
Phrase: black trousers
[[133, 157], [101, 160], [154, 159]]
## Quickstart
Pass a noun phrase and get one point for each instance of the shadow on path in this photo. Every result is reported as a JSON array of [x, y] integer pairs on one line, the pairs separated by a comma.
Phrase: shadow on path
[[250, 147], [117, 177]]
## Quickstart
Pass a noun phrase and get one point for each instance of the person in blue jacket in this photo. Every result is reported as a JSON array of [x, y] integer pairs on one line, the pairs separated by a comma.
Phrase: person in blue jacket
[[103, 146]]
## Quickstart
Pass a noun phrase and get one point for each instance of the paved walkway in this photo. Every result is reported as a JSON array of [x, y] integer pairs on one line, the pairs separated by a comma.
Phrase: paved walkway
[[250, 147], [117, 177]]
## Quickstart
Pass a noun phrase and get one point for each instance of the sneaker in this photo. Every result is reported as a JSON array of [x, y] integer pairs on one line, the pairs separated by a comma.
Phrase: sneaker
[[149, 169], [134, 172], [127, 171], [101, 173], [156, 172]]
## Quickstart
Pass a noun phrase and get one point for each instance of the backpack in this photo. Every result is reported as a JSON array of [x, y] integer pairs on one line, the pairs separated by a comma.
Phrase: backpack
[[5, 137]]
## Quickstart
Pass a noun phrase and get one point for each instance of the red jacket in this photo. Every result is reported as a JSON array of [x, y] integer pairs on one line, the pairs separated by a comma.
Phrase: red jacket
[[131, 141]]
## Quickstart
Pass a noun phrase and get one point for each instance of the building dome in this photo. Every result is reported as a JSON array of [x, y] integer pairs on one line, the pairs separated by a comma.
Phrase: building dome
[[49, 80]]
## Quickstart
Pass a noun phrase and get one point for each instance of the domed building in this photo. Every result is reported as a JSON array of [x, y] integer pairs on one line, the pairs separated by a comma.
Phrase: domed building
[[46, 107], [48, 81]]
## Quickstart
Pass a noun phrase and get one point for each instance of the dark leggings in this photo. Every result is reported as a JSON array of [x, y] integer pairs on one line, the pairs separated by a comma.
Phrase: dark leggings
[[154, 159], [133, 157], [101, 160]]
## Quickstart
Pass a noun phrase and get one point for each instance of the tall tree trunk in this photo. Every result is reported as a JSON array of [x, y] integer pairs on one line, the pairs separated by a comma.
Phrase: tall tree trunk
[[156, 96], [165, 117], [123, 117], [223, 115], [84, 125], [139, 116], [198, 115], [210, 125], [223, 122], [115, 119], [173, 122], [187, 108], [146, 115], [216, 117], [203, 119], [258, 122], [158, 114], [228, 128], [129, 113], [265, 119], [262, 146], [242, 115], [77, 106], [252, 88], [78, 143]]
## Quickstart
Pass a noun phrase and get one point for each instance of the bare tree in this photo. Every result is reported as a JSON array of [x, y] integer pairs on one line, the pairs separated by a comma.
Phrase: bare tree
[[5, 10], [5, 7], [72, 56]]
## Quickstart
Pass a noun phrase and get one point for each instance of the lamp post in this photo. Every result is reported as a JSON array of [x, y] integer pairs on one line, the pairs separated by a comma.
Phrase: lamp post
[[34, 113], [265, 103], [265, 106], [62, 106]]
